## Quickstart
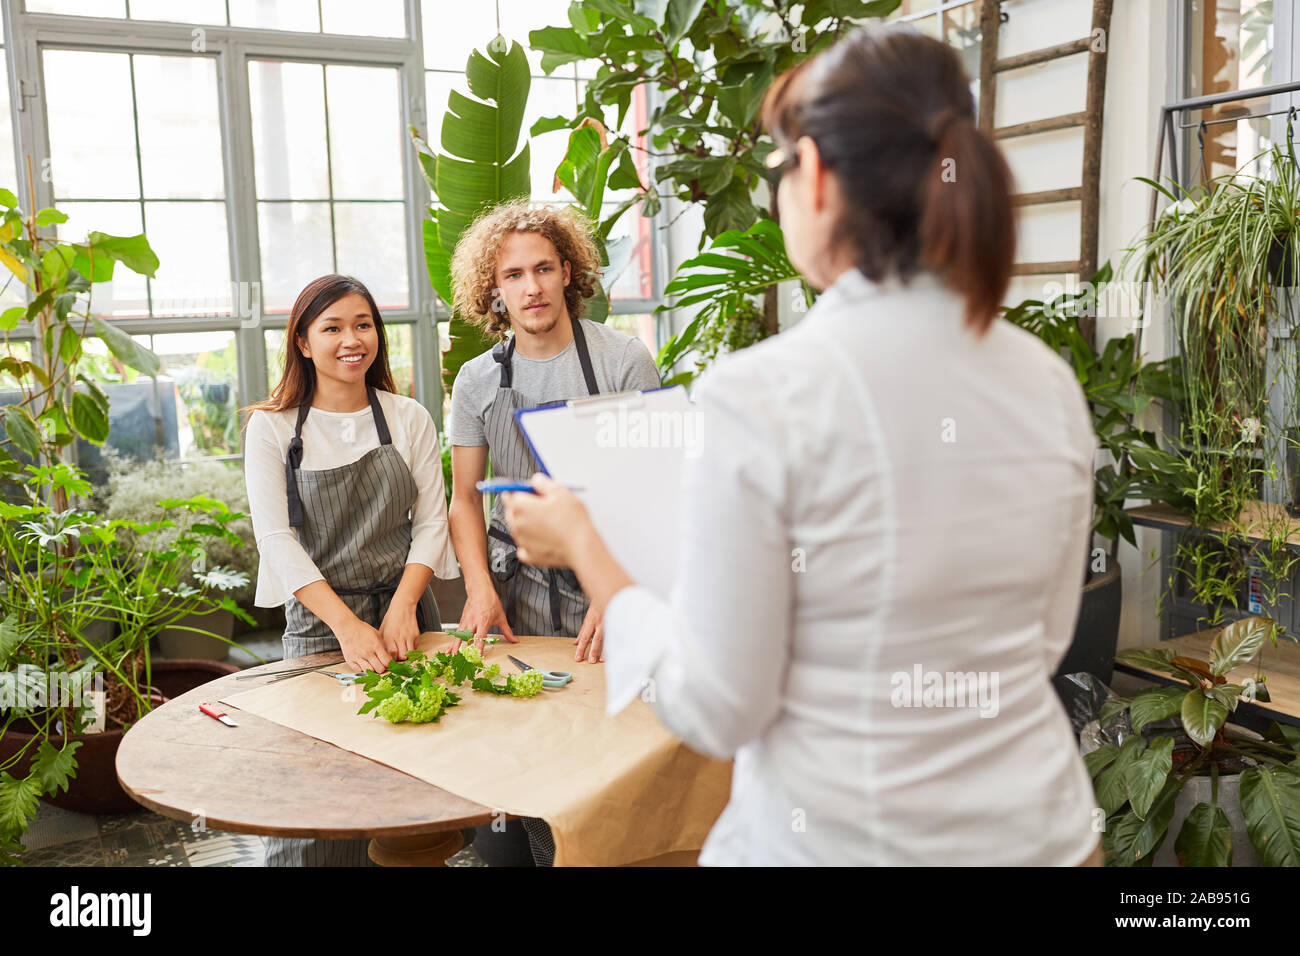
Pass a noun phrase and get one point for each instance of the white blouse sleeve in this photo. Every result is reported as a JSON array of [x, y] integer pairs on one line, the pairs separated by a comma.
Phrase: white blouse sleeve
[[1062, 608], [430, 532], [712, 661], [284, 566]]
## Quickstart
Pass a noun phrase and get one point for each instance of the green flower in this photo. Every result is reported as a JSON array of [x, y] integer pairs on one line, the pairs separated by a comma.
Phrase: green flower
[[432, 702], [526, 684], [395, 709]]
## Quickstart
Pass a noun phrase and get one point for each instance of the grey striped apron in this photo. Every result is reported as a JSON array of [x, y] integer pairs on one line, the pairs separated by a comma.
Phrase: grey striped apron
[[354, 522], [538, 601]]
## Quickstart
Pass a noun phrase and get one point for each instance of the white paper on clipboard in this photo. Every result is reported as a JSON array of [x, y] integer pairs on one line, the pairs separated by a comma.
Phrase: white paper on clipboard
[[626, 452]]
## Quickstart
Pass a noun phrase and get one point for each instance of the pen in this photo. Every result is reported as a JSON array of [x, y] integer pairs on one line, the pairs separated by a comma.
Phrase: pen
[[498, 485]]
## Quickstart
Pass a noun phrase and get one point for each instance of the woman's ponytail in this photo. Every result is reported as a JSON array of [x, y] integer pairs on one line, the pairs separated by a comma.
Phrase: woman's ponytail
[[968, 232], [891, 112]]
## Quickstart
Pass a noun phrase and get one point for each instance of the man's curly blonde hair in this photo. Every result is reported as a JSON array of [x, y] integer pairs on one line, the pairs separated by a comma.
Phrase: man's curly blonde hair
[[474, 264]]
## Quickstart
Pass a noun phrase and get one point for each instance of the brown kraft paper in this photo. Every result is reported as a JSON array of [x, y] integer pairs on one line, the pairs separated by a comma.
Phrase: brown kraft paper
[[614, 790]]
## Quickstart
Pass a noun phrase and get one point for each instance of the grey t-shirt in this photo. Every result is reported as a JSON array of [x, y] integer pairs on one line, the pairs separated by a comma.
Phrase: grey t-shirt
[[621, 364]]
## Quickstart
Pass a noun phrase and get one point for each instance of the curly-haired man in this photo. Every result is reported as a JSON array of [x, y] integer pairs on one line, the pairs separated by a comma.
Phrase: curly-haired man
[[526, 271]]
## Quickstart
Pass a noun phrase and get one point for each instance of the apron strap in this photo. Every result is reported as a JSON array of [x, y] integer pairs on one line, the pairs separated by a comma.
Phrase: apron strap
[[502, 353], [291, 465], [584, 357], [381, 423]]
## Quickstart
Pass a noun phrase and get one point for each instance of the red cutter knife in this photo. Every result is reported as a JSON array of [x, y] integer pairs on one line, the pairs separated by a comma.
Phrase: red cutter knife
[[212, 710]]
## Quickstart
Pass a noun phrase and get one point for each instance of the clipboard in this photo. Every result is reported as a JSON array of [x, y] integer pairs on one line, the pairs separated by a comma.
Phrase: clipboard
[[627, 452]]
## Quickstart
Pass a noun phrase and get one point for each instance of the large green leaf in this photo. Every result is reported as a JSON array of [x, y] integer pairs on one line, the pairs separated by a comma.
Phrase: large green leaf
[[481, 164], [1110, 787], [22, 430], [1238, 643], [133, 252], [55, 767], [1152, 658], [18, 800], [1131, 838], [1156, 704], [1202, 716], [1098, 760], [1205, 838], [126, 348], [89, 419], [1146, 775], [1270, 805]]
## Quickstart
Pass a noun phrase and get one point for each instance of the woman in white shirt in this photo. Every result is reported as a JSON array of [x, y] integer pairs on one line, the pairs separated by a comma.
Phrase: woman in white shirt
[[346, 492], [884, 538]]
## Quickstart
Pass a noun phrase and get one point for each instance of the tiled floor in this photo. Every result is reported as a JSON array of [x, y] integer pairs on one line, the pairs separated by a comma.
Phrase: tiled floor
[[62, 838]]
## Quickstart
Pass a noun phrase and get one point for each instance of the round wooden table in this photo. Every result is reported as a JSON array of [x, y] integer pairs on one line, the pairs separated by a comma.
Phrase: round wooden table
[[266, 779]]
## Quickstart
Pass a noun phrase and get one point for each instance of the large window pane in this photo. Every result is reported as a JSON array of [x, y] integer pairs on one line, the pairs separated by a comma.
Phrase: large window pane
[[452, 30], [371, 243], [180, 130], [401, 357], [8, 176], [365, 123], [200, 378], [519, 17], [548, 97], [194, 261], [295, 242], [180, 11], [126, 295], [288, 107], [92, 141], [300, 15], [81, 8], [375, 18], [1230, 48]]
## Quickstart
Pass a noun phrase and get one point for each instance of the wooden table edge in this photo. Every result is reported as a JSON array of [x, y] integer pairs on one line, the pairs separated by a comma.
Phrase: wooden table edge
[[209, 691]]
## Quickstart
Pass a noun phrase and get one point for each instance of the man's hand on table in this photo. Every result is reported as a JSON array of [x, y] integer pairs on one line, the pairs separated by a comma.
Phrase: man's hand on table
[[482, 611], [591, 638]]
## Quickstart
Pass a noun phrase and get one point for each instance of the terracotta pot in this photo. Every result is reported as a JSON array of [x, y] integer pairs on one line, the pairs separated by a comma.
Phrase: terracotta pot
[[95, 788]]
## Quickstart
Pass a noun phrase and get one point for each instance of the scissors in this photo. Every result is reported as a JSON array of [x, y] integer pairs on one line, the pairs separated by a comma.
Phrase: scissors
[[343, 678], [549, 678]]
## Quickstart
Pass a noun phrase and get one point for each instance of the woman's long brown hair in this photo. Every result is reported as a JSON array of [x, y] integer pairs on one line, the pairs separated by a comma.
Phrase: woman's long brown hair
[[298, 380], [891, 112]]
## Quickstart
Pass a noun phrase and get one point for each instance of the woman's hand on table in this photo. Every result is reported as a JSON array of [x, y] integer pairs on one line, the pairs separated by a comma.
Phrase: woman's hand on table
[[591, 638], [363, 646], [400, 629], [482, 611]]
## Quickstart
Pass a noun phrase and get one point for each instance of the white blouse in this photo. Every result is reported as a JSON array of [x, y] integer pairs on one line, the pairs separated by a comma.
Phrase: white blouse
[[329, 440], [881, 560]]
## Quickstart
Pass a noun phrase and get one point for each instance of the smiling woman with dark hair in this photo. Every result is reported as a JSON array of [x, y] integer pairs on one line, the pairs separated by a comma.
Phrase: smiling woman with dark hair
[[892, 497], [345, 486]]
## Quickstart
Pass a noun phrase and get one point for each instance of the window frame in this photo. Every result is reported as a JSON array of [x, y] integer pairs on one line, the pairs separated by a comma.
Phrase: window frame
[[27, 35]]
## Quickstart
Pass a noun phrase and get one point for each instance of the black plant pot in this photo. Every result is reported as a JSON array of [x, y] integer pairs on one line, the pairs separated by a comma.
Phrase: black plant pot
[[1280, 265], [1096, 633]]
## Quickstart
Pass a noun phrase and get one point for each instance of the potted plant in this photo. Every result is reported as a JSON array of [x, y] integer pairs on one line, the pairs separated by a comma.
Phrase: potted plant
[[1169, 764], [1118, 387], [134, 490], [1221, 256], [61, 569]]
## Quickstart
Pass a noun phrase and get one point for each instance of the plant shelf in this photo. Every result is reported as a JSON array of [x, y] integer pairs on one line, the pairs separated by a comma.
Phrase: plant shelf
[[1257, 516], [1281, 668]]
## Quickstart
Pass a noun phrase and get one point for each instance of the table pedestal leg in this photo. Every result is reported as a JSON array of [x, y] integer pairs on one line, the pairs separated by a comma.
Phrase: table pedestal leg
[[430, 849]]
